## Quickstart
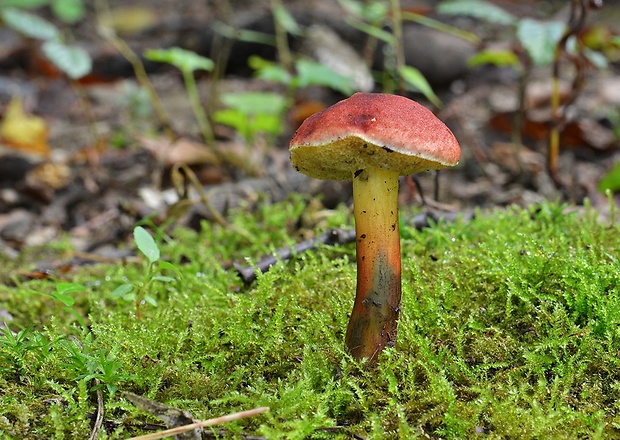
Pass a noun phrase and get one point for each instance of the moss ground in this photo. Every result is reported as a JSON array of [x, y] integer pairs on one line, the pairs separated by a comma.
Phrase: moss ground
[[510, 328]]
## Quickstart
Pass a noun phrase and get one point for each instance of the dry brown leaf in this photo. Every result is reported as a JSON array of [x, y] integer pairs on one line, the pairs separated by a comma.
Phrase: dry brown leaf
[[49, 175], [182, 150], [23, 131], [304, 109]]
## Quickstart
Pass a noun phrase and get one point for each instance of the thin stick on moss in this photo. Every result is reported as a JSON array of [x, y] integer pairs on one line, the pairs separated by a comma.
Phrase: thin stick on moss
[[94, 434], [199, 425]]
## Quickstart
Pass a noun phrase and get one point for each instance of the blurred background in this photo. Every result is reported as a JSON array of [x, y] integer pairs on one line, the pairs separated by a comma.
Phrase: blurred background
[[112, 111]]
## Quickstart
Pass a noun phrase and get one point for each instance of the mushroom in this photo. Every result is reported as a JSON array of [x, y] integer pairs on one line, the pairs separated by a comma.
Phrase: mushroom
[[372, 139]]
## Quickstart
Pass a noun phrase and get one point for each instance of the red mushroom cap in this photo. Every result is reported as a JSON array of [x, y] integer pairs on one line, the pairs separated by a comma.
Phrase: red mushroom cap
[[372, 130]]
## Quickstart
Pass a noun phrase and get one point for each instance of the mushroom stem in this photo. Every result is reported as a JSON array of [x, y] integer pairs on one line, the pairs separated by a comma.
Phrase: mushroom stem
[[373, 322]]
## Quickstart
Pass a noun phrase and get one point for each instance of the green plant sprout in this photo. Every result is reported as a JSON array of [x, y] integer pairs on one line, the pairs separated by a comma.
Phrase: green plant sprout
[[251, 113], [540, 43], [188, 62], [16, 349], [69, 59], [537, 39], [370, 18], [88, 364], [62, 295], [106, 370], [138, 291], [308, 72], [611, 180], [284, 24]]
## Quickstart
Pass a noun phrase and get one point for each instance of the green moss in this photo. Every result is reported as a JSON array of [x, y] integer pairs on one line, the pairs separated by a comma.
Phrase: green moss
[[510, 327]]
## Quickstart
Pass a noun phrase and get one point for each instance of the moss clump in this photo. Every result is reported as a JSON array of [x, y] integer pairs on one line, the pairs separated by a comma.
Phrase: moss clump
[[510, 327]]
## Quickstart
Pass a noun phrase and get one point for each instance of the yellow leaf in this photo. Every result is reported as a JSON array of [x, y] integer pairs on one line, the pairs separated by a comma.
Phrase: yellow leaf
[[22, 131], [130, 20]]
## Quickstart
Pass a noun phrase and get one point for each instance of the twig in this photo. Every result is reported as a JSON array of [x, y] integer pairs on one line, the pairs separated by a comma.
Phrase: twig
[[202, 424], [221, 49], [204, 198], [99, 419], [330, 238], [443, 27], [199, 112], [575, 24], [334, 237], [399, 51], [284, 53]]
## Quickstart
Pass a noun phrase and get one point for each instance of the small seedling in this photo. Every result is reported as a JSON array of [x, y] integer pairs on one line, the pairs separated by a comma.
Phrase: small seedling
[[307, 73], [252, 113], [371, 18], [538, 43], [106, 370], [138, 291], [188, 62], [17, 349], [62, 295], [85, 364], [611, 180], [71, 60]]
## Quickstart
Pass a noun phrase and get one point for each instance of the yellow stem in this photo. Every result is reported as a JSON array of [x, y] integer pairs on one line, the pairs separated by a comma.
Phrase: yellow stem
[[374, 319]]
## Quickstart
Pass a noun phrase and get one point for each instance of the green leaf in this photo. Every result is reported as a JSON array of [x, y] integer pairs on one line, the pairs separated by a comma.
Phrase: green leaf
[[268, 70], [373, 31], [243, 34], [598, 59], [69, 11], [440, 26], [150, 300], [268, 124], [23, 4], [66, 299], [79, 318], [477, 9], [122, 291], [146, 244], [163, 279], [73, 61], [286, 20], [249, 124], [165, 265], [371, 11], [64, 289], [184, 60], [313, 73], [69, 288], [540, 39], [499, 58], [253, 103], [415, 78], [233, 118], [611, 180], [28, 24]]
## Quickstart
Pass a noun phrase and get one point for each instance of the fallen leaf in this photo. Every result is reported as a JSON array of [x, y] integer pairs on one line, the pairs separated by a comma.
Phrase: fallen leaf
[[304, 109], [131, 20], [23, 131], [49, 175], [575, 134], [181, 150]]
